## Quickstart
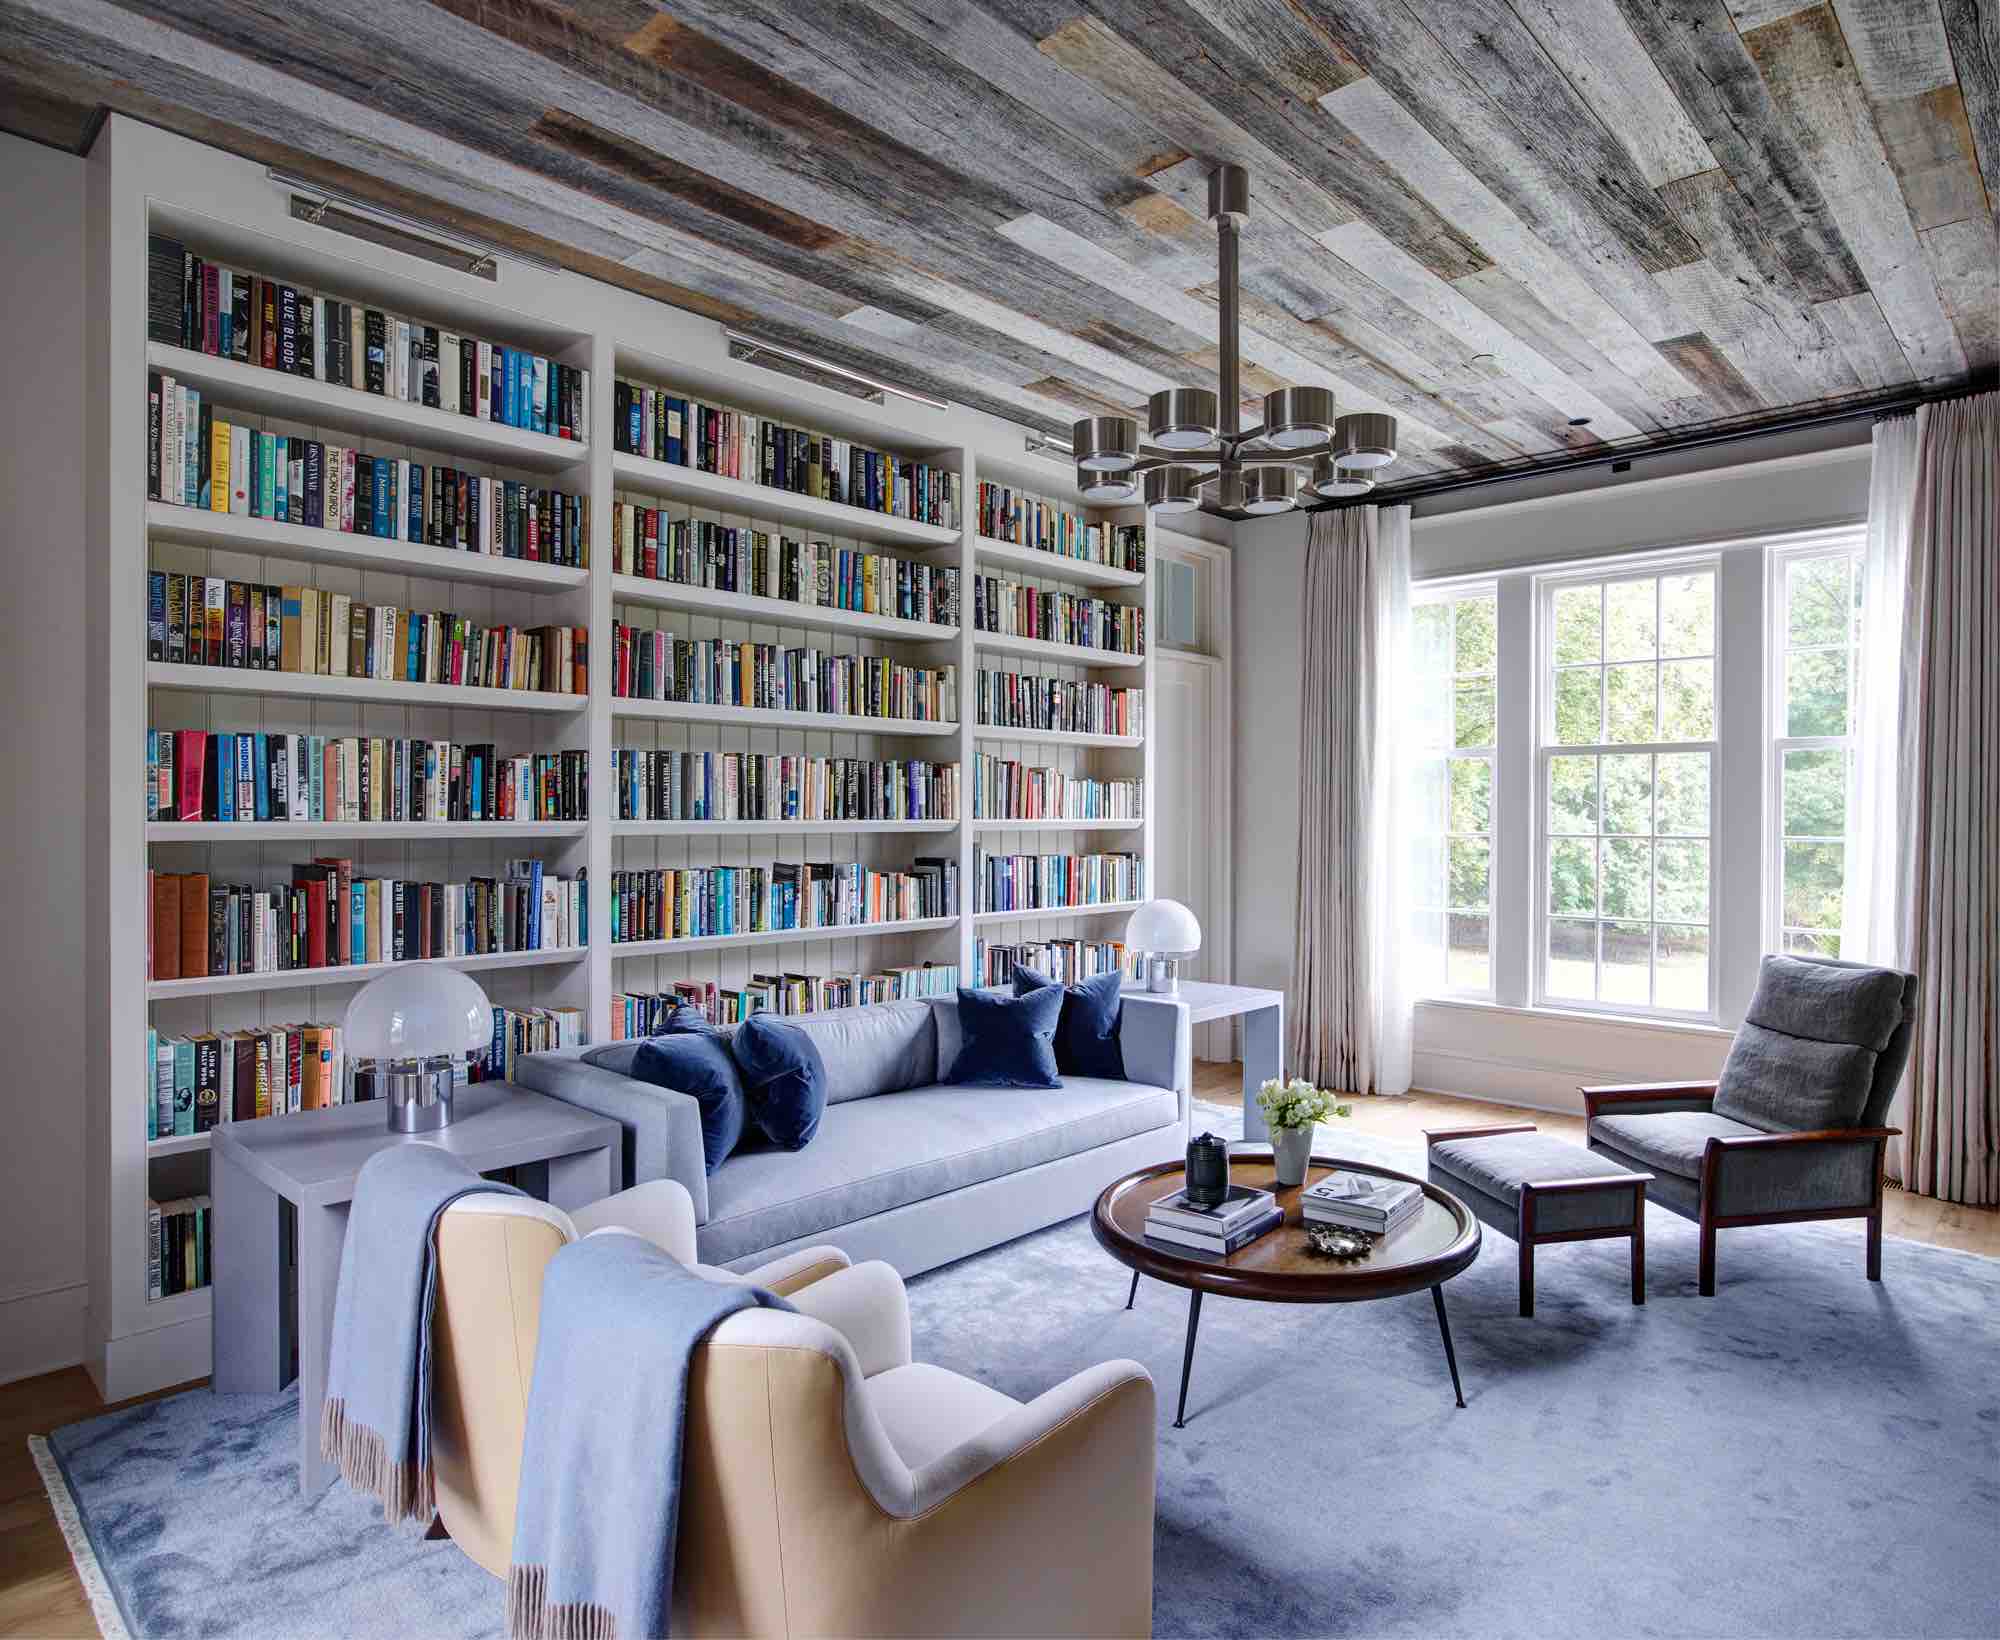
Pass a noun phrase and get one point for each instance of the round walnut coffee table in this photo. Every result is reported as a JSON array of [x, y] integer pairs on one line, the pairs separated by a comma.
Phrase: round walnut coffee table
[[1278, 1267]]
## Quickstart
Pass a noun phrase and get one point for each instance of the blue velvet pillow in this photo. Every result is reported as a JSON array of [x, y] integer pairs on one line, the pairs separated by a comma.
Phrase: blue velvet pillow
[[784, 1080], [1087, 1034], [698, 1064], [1007, 1042]]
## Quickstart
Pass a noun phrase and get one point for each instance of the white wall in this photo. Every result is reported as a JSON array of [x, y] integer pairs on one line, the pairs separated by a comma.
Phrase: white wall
[[43, 1011], [1524, 1056]]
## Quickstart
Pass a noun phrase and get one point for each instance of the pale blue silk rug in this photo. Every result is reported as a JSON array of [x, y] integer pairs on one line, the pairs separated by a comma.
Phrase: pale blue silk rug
[[1806, 1454]]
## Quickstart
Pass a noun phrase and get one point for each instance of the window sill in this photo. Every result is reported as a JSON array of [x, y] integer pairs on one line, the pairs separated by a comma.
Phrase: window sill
[[1580, 1016]]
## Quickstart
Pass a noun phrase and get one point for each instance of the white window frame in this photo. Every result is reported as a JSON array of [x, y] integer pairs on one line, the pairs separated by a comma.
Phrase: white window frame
[[1639, 566], [1447, 592], [1778, 561]]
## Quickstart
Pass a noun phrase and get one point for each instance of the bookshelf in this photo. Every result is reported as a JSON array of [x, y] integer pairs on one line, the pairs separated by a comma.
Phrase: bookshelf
[[228, 209]]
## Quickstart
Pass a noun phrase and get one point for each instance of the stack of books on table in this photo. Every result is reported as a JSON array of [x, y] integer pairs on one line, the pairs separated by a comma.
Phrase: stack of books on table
[[1237, 1220], [1360, 1201]]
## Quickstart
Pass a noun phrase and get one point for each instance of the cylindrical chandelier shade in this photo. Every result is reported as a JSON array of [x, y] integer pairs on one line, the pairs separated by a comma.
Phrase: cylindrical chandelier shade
[[1173, 489], [1267, 489], [1105, 444], [1298, 417], [1105, 489], [1182, 418], [1336, 482], [1365, 439]]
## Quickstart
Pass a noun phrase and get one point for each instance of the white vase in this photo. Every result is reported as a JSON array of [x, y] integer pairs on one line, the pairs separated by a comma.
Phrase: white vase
[[1291, 1150]]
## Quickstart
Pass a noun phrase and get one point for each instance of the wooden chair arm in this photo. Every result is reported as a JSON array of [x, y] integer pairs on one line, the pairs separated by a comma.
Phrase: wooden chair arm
[[1600, 1181], [1609, 1096], [1434, 1136], [1816, 1136]]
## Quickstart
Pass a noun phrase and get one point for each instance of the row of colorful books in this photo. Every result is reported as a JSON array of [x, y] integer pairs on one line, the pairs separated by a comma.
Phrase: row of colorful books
[[1024, 520], [1029, 700], [1037, 882], [694, 902], [1071, 961], [640, 1013], [1005, 789], [651, 664], [1014, 609], [680, 785]]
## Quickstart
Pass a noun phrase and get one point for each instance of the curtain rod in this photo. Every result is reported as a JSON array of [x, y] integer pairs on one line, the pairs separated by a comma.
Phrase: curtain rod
[[1422, 489]]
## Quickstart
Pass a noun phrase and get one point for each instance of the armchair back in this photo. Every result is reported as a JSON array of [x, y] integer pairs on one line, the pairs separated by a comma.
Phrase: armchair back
[[1822, 1045]]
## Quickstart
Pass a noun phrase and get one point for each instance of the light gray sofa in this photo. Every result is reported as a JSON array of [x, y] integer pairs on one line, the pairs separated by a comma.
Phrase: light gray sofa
[[904, 1168]]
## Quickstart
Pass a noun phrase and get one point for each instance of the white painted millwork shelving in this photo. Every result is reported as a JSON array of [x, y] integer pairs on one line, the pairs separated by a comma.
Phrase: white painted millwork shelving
[[143, 180]]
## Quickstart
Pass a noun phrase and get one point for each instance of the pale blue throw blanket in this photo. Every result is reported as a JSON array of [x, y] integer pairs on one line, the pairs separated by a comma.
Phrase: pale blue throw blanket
[[375, 1424], [599, 1507]]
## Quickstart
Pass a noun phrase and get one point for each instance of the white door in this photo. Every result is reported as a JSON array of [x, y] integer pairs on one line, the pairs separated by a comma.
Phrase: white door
[[1190, 814]]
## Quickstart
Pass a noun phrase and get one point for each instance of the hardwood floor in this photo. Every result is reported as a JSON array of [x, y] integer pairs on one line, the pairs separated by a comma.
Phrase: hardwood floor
[[41, 1597]]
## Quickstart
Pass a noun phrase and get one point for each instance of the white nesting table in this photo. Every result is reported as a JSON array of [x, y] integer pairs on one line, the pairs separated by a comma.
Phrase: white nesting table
[[1263, 1016], [310, 1160]]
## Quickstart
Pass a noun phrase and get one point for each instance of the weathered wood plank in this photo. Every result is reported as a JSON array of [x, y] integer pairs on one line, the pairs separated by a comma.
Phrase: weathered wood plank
[[1856, 323], [1973, 28], [1742, 332], [29, 109], [1594, 46], [1396, 139], [1510, 302], [1805, 63], [1899, 46], [1964, 259], [1756, 13], [1697, 49], [1767, 311], [1700, 361], [1374, 258], [1220, 102]]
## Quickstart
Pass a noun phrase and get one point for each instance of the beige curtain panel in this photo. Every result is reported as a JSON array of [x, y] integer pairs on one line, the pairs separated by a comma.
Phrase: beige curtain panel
[[1951, 787]]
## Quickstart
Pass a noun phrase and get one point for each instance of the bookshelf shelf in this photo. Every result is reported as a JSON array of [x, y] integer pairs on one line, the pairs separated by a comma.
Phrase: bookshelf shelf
[[193, 527], [355, 973], [249, 387], [222, 207], [775, 828], [386, 831], [757, 717], [1058, 737], [1045, 913], [1064, 824], [228, 680], [739, 496], [1005, 555], [638, 589], [1044, 649], [781, 936]]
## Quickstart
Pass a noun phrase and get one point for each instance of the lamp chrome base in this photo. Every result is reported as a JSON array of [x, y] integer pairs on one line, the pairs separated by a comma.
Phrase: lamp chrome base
[[1163, 976], [415, 1092]]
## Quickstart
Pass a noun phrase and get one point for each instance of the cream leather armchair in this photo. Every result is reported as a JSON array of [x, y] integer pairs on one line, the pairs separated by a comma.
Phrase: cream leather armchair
[[830, 1484]]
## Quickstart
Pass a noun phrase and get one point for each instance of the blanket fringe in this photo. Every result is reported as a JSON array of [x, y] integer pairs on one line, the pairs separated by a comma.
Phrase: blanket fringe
[[405, 1490], [531, 1617]]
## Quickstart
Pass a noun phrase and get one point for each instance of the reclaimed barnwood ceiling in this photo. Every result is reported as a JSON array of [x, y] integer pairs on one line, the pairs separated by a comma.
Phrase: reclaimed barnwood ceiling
[[1486, 216]]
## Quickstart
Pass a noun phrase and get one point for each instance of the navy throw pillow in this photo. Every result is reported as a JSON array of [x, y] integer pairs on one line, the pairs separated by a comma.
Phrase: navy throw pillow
[[784, 1080], [1007, 1042], [698, 1064], [1087, 1035]]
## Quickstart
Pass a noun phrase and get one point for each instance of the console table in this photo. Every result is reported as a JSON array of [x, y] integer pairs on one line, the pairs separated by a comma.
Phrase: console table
[[1263, 1016], [310, 1160]]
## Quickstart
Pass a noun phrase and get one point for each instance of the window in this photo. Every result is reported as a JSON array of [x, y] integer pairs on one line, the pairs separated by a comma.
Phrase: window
[[1454, 647], [1174, 606], [1626, 752], [1815, 650]]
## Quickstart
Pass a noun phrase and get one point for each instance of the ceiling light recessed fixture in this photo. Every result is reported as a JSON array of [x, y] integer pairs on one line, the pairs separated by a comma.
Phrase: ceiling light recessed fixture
[[1196, 434]]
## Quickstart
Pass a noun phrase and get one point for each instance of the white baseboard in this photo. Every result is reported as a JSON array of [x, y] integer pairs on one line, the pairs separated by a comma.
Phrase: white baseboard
[[1539, 1060], [42, 1332]]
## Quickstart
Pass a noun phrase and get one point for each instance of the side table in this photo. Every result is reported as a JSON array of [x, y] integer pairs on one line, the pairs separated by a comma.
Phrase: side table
[[1263, 1016], [311, 1160]]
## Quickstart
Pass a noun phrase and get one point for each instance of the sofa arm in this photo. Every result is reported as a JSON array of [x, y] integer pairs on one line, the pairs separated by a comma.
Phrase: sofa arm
[[662, 1125], [1156, 1043], [1645, 1098], [1827, 1170]]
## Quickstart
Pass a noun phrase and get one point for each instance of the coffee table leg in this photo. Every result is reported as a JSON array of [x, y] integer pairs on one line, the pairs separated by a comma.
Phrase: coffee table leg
[[1187, 1358], [1134, 1293], [1444, 1331]]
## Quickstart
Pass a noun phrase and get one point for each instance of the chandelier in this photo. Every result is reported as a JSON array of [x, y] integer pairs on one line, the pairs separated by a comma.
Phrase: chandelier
[[1302, 450]]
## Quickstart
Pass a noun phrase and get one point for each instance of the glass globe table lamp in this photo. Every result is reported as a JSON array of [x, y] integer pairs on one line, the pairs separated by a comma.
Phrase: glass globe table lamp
[[1164, 931], [408, 1033]]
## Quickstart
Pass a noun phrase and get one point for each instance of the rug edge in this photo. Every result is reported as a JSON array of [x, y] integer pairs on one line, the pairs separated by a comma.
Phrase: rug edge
[[97, 1589]]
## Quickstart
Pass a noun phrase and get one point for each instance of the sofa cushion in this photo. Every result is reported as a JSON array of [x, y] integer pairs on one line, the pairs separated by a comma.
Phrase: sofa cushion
[[878, 1049], [873, 1155], [1087, 1033], [1805, 1055], [1008, 1041], [699, 1064], [784, 1081], [1674, 1140]]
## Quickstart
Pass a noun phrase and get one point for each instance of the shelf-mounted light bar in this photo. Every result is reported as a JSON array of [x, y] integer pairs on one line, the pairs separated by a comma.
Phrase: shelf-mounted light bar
[[809, 367], [315, 203]]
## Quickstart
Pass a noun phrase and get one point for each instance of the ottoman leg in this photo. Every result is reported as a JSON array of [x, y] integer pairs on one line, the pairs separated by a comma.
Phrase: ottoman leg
[[1527, 1278], [1524, 1239], [1639, 1246]]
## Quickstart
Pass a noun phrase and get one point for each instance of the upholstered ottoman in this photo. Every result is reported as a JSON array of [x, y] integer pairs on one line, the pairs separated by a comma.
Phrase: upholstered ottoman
[[1538, 1189]]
